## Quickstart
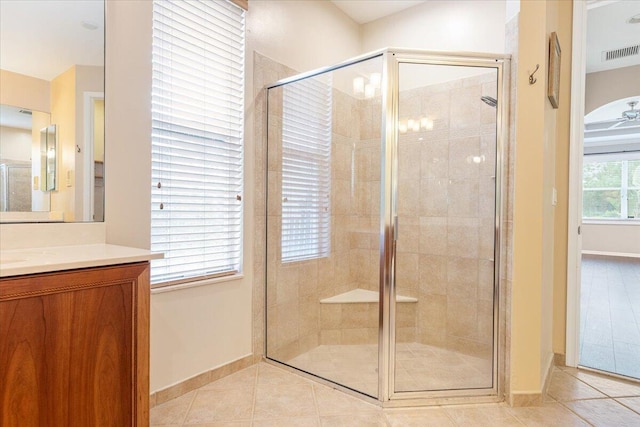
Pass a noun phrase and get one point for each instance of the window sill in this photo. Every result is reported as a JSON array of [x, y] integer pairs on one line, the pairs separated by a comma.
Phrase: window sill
[[635, 221], [158, 288]]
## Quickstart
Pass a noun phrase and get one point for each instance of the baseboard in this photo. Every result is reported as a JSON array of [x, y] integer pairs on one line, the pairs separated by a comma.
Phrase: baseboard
[[559, 359], [525, 399], [197, 381], [535, 398], [548, 372]]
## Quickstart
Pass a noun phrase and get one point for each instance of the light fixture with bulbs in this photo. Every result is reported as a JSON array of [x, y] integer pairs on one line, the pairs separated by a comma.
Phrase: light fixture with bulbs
[[415, 125], [358, 85], [368, 85]]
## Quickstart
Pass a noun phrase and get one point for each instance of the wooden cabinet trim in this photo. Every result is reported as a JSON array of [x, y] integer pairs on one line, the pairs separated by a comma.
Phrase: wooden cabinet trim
[[41, 284]]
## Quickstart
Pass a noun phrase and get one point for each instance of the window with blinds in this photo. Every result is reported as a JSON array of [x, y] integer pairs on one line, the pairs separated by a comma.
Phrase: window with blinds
[[197, 105], [306, 169]]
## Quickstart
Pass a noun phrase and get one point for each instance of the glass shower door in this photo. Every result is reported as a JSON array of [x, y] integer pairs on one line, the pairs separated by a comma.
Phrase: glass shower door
[[444, 313], [323, 221]]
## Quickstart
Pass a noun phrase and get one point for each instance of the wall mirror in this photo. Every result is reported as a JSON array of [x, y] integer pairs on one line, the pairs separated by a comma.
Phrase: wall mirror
[[52, 111]]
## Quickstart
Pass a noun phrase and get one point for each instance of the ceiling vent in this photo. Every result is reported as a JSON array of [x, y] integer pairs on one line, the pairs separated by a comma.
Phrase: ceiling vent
[[609, 55], [25, 112]]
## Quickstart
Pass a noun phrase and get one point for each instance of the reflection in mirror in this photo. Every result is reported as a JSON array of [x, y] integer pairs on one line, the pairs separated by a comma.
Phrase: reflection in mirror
[[52, 111], [49, 149], [20, 160]]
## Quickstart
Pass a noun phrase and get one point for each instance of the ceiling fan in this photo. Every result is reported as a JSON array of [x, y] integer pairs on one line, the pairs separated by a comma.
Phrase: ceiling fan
[[630, 115]]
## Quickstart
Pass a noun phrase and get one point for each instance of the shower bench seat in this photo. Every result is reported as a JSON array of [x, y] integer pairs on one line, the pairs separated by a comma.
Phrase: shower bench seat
[[358, 295]]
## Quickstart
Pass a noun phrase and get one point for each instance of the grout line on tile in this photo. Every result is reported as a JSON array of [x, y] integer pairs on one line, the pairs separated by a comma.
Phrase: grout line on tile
[[315, 402], [607, 377], [575, 413], [184, 418], [255, 390], [626, 406]]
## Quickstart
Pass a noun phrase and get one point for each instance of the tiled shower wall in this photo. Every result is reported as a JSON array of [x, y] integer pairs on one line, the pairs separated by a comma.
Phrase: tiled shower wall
[[297, 321], [445, 236], [446, 205]]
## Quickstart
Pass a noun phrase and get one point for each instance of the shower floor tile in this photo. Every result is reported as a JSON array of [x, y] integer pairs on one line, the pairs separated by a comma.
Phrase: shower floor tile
[[419, 367]]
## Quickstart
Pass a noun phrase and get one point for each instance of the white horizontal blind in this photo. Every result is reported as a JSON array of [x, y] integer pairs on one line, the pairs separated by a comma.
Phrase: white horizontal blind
[[306, 169], [197, 132]]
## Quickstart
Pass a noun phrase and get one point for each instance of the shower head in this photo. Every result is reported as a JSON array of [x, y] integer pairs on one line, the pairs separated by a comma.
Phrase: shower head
[[489, 101]]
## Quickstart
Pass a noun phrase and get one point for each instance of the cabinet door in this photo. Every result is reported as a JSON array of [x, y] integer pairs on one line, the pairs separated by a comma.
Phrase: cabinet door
[[69, 354]]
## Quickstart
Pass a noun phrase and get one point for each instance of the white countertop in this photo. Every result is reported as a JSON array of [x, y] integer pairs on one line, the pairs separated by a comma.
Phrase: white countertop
[[16, 262]]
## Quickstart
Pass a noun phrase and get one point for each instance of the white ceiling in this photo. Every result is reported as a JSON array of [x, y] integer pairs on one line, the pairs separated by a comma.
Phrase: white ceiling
[[607, 29], [13, 118], [42, 39], [363, 11]]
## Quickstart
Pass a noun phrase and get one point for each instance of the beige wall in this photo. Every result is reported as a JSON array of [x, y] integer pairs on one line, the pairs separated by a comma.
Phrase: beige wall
[[15, 144], [607, 86], [88, 79], [24, 91], [564, 30], [302, 35], [63, 115], [476, 26], [607, 237], [534, 218], [98, 131]]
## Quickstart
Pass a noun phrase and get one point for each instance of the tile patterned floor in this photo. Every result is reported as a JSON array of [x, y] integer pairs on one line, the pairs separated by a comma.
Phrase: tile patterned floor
[[418, 366], [610, 315], [263, 396]]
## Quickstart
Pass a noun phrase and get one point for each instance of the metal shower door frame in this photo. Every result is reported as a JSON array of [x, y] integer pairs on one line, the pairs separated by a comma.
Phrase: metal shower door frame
[[392, 58]]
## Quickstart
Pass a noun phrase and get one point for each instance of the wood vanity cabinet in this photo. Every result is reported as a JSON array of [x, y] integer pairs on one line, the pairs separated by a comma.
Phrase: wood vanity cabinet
[[74, 348]]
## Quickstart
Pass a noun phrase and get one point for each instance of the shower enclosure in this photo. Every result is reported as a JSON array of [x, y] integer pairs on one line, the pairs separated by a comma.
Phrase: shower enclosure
[[383, 225]]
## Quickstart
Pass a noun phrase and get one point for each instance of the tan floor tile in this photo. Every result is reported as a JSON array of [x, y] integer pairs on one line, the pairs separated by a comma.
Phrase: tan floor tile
[[604, 413], [171, 412], [223, 424], [288, 422], [355, 420], [631, 402], [245, 378], [548, 415], [269, 374], [485, 415], [334, 402], [564, 387], [423, 417], [610, 386], [220, 405], [281, 401]]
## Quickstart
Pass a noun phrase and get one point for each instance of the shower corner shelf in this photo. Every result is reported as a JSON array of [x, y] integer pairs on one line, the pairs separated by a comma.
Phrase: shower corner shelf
[[356, 296]]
